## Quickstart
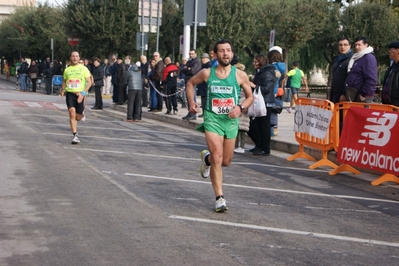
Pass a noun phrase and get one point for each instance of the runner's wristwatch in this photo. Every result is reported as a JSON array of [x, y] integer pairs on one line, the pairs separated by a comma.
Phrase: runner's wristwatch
[[242, 108]]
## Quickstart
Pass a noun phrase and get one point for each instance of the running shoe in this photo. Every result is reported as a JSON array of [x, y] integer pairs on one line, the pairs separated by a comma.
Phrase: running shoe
[[75, 140], [83, 117], [239, 150], [204, 169], [289, 110], [220, 205]]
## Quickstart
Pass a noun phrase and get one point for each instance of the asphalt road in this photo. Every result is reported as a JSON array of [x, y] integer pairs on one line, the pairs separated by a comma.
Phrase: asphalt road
[[131, 194]]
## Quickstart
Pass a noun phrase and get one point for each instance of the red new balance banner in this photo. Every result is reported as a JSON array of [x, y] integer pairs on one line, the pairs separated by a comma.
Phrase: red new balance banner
[[370, 139]]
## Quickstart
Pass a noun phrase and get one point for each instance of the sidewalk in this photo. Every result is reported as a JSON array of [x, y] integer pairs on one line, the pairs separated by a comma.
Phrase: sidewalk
[[284, 141]]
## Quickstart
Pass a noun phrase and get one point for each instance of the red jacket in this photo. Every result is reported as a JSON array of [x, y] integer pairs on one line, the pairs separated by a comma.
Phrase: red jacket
[[169, 68]]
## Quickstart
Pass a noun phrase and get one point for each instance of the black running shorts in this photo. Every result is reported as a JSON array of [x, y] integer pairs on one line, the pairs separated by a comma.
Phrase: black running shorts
[[72, 101]]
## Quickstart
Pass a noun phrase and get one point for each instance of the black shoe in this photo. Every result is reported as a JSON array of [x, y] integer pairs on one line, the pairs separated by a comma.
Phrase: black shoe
[[251, 150], [96, 108], [168, 113], [201, 115]]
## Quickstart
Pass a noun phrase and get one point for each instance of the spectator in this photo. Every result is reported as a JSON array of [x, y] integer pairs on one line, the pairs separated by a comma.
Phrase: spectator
[[48, 77], [113, 68], [203, 87], [33, 74], [120, 80], [362, 73], [107, 77], [47, 64], [134, 83], [153, 93], [169, 81], [390, 88], [243, 126], [259, 129], [144, 67], [7, 70], [340, 71], [23, 71], [275, 57], [192, 67], [157, 79], [183, 64], [98, 77]]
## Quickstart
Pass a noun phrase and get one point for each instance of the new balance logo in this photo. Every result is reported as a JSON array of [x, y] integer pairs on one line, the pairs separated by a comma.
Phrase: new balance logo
[[379, 130]]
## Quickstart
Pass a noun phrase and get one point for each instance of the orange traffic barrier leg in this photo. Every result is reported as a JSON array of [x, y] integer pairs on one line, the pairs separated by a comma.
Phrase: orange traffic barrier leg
[[301, 154], [324, 162], [385, 178], [344, 168]]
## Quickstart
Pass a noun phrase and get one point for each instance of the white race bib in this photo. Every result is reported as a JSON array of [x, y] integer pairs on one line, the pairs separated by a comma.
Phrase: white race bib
[[222, 106], [73, 84]]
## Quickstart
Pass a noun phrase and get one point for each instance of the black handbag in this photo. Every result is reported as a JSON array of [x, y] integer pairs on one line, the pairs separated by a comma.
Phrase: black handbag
[[276, 109]]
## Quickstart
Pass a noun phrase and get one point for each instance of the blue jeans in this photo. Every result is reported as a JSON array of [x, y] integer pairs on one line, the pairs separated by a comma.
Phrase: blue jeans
[[153, 98], [22, 81]]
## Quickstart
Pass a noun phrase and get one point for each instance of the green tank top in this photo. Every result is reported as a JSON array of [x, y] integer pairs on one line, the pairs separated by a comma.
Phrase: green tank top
[[222, 94]]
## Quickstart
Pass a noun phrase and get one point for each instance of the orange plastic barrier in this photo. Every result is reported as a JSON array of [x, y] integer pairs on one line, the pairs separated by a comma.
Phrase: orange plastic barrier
[[304, 139], [340, 110]]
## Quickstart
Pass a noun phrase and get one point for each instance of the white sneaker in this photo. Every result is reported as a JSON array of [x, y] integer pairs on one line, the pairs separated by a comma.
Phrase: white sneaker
[[83, 117], [289, 110], [75, 139], [220, 205], [239, 150], [204, 169]]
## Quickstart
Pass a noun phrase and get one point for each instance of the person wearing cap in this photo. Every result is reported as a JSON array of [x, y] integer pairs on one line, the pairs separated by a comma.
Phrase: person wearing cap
[[340, 71], [360, 84], [275, 57], [202, 87], [390, 88]]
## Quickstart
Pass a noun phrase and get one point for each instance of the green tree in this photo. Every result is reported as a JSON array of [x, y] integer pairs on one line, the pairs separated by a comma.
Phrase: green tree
[[233, 20], [375, 21], [103, 26]]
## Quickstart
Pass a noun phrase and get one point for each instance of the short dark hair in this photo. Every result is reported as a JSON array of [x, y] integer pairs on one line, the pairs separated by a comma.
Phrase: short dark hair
[[343, 39], [295, 64], [362, 38], [222, 41]]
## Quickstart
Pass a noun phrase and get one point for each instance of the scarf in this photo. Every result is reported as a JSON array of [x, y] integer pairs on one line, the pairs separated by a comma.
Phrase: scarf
[[358, 55]]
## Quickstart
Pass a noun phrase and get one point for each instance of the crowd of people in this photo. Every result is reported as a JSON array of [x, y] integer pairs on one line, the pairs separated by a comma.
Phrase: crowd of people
[[225, 89]]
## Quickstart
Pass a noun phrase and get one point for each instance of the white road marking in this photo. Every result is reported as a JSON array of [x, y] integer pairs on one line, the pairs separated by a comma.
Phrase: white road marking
[[33, 104], [289, 231], [267, 189], [133, 153], [340, 209], [61, 106]]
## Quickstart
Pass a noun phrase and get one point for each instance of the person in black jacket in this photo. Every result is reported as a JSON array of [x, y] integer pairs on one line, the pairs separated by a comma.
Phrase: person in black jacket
[[340, 71], [192, 67], [23, 71], [98, 77], [259, 129], [390, 89], [120, 81], [203, 87], [48, 77]]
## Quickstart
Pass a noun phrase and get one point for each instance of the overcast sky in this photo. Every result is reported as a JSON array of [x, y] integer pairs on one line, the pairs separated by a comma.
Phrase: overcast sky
[[52, 2]]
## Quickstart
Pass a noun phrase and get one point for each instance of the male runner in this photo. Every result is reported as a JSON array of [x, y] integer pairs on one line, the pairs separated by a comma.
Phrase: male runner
[[221, 115], [76, 83]]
